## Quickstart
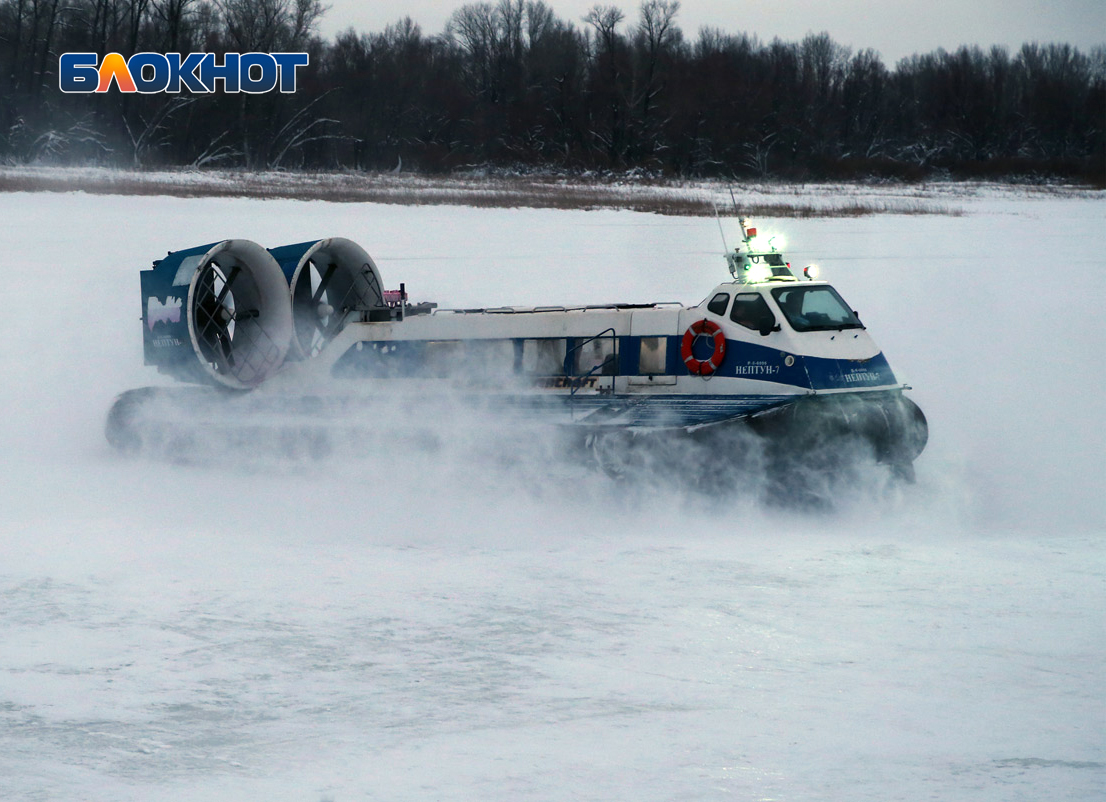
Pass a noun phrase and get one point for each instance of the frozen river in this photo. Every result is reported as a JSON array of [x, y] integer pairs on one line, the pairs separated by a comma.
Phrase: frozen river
[[450, 625]]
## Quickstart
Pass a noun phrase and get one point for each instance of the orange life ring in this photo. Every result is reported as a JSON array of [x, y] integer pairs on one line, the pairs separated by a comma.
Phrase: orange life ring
[[703, 328]]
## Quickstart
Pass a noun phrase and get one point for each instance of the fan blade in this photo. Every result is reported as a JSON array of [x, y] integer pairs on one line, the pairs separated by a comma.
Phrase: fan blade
[[323, 282], [234, 271]]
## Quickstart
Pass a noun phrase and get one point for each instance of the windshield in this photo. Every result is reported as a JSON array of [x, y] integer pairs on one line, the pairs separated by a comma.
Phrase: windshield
[[815, 309]]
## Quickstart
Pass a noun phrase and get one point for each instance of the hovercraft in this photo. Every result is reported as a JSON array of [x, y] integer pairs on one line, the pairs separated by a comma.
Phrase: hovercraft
[[292, 345]]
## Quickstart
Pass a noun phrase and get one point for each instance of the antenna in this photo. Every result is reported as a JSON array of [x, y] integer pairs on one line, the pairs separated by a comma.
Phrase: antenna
[[740, 218], [725, 246], [738, 261]]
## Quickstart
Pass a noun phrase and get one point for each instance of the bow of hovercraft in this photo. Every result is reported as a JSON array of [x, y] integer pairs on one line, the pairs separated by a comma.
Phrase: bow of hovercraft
[[846, 398]]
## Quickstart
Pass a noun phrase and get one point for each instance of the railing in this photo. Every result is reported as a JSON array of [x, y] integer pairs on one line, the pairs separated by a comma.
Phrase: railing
[[577, 381]]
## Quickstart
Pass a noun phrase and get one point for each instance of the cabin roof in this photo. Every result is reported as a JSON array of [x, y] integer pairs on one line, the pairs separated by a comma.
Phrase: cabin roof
[[515, 310]]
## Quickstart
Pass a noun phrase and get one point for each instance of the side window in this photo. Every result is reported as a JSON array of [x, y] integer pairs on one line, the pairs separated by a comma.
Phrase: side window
[[543, 357], [752, 312], [442, 357], [654, 354], [719, 303], [483, 359]]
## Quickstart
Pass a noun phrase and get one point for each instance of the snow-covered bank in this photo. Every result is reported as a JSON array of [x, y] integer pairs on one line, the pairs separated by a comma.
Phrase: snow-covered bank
[[439, 626], [641, 193]]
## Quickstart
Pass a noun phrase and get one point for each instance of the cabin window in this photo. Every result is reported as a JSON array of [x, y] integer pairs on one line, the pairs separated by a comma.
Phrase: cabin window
[[815, 309], [719, 303], [441, 357], [543, 357], [484, 358], [459, 360], [596, 355], [752, 311], [397, 359], [654, 356]]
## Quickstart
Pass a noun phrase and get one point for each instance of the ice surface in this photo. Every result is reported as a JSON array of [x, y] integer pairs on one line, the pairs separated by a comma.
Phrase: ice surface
[[448, 624]]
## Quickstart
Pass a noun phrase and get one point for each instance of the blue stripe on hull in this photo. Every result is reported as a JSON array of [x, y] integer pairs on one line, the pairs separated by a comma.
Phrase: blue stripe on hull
[[751, 361], [742, 361]]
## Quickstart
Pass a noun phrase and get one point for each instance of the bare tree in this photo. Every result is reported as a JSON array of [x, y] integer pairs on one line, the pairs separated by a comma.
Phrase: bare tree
[[605, 20], [657, 25], [474, 27], [510, 81], [301, 130], [658, 33], [540, 20], [173, 17], [270, 25], [509, 17], [154, 133]]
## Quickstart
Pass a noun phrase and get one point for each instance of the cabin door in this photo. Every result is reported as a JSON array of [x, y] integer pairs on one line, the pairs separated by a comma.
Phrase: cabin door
[[591, 363], [653, 331]]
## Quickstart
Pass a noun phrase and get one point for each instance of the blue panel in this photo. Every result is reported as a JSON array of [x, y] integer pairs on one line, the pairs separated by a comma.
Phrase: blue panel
[[673, 362], [288, 256], [165, 339], [167, 268], [629, 356], [751, 361], [853, 374], [744, 361]]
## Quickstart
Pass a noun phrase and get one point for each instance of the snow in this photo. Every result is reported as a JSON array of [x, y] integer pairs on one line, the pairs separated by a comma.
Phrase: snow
[[454, 624], [481, 187]]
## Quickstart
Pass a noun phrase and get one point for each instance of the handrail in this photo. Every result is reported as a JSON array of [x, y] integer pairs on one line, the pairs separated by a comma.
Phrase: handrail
[[576, 382]]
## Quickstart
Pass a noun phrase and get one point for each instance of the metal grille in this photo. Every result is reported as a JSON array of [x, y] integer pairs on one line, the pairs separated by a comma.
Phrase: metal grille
[[231, 339], [357, 296]]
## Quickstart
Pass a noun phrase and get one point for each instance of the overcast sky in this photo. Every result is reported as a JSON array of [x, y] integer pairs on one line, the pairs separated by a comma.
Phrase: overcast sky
[[894, 28]]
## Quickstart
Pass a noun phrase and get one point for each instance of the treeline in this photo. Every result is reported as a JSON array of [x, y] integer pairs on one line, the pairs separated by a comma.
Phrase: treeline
[[511, 84]]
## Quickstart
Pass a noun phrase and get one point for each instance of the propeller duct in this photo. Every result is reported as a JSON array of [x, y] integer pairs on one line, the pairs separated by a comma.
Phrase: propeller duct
[[217, 313], [332, 282]]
